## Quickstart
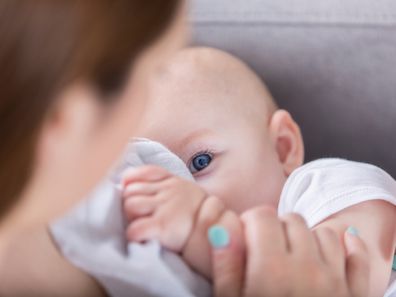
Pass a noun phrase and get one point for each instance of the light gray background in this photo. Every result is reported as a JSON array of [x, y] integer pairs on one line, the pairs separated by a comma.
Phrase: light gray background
[[331, 63]]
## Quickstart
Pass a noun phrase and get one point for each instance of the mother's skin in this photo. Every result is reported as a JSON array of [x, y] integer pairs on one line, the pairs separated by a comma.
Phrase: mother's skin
[[73, 85], [271, 256], [69, 102]]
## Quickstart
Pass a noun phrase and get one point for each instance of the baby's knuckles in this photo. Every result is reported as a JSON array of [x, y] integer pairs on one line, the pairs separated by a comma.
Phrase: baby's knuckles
[[130, 209], [176, 216], [209, 213], [137, 232], [144, 173], [175, 232], [181, 186], [184, 192]]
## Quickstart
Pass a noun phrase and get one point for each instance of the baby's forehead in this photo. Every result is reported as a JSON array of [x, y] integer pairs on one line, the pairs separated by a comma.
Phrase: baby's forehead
[[205, 67], [202, 76]]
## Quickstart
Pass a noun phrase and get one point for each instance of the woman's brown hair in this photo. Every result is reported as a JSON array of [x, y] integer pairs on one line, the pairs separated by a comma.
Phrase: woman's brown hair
[[46, 45]]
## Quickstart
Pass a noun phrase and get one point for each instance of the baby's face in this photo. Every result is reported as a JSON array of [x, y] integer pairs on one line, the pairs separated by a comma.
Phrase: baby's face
[[223, 141]]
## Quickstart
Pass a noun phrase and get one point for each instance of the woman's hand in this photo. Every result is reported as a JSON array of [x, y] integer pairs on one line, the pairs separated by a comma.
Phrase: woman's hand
[[285, 258]]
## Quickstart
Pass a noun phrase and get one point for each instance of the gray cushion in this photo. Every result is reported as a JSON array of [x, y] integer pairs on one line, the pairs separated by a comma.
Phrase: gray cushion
[[331, 63]]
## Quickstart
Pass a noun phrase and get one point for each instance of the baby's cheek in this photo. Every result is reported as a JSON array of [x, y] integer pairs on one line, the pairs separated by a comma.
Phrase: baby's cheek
[[258, 192], [216, 186], [241, 192], [235, 197]]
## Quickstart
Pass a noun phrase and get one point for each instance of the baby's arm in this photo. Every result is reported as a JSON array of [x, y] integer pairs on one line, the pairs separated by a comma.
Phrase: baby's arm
[[376, 223], [177, 212]]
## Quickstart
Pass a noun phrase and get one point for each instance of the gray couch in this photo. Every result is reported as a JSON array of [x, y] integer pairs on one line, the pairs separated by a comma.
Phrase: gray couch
[[331, 63]]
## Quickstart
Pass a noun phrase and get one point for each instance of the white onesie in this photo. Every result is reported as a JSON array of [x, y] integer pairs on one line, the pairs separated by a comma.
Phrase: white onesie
[[92, 235], [324, 187]]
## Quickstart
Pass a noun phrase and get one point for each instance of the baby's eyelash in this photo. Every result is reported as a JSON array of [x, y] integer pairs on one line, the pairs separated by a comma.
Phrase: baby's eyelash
[[206, 151]]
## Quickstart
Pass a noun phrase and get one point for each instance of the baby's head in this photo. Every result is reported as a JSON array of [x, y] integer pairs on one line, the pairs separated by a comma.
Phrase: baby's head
[[215, 113]]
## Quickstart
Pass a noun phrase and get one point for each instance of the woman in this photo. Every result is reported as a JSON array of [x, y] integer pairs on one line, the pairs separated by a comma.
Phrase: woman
[[65, 115], [73, 85]]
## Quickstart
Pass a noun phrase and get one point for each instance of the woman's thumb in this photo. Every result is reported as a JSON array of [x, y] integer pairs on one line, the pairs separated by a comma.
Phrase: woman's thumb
[[227, 256]]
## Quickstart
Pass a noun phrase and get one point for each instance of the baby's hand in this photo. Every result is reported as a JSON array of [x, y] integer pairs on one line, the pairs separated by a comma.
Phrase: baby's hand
[[161, 206]]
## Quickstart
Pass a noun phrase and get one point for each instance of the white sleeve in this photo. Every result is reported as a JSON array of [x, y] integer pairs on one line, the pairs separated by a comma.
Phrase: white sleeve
[[326, 186]]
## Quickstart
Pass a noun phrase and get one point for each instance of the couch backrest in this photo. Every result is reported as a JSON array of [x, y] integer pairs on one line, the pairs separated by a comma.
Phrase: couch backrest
[[332, 64]]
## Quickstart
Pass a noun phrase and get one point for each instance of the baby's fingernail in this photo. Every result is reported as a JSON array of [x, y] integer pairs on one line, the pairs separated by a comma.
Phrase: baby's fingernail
[[352, 231], [218, 237]]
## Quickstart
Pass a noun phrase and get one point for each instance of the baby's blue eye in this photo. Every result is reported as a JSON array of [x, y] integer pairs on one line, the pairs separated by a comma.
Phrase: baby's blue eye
[[200, 162]]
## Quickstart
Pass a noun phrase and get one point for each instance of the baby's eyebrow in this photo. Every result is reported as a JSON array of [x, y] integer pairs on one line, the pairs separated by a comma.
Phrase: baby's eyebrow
[[193, 136]]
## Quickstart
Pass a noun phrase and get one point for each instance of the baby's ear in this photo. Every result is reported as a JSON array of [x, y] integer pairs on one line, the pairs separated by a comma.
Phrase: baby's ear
[[287, 138]]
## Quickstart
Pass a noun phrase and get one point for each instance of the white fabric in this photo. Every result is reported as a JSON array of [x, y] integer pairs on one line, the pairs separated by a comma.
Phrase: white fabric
[[92, 235], [391, 292], [326, 186], [92, 238]]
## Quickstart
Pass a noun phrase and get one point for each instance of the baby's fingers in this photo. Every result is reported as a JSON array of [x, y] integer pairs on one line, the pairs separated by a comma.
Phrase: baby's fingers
[[143, 229], [139, 206], [141, 188], [357, 264], [148, 173]]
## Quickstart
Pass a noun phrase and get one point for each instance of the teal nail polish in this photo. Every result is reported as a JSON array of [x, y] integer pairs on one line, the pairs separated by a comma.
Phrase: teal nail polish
[[218, 237], [353, 231], [394, 263]]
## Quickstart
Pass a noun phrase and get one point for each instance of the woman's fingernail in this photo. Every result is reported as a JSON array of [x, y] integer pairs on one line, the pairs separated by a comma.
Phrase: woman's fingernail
[[353, 231], [218, 237]]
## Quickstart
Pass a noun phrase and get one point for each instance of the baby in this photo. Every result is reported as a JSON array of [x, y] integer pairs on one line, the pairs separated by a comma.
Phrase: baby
[[216, 115]]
